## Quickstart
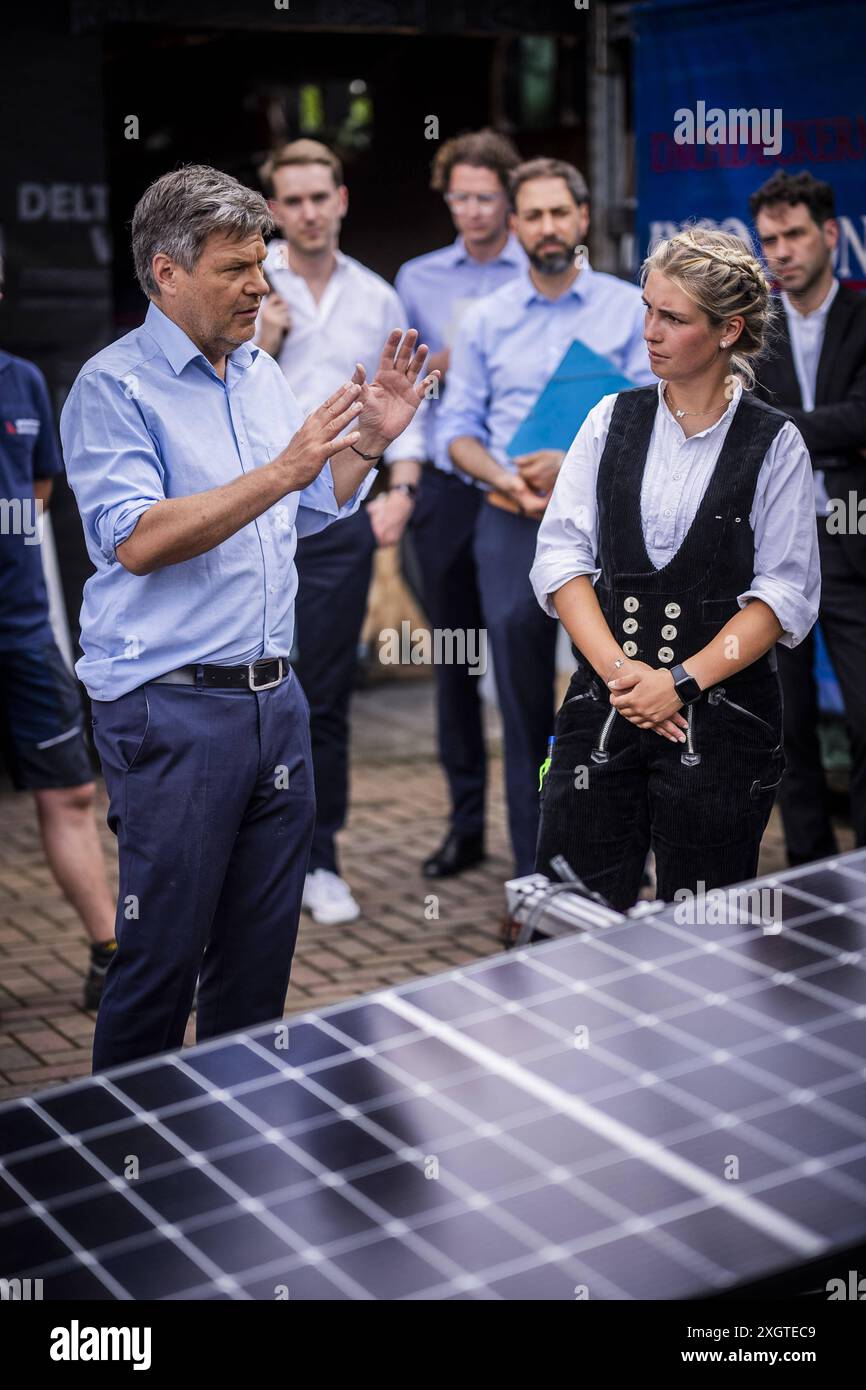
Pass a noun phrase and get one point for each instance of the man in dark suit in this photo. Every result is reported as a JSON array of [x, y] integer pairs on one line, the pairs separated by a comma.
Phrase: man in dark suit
[[816, 372]]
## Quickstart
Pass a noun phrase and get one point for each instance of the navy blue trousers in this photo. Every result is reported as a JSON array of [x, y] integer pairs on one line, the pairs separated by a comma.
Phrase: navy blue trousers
[[211, 799], [334, 569], [443, 531], [522, 639]]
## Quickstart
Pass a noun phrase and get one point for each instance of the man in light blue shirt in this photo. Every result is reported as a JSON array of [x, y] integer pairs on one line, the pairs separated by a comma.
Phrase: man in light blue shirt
[[471, 171], [194, 472], [508, 347]]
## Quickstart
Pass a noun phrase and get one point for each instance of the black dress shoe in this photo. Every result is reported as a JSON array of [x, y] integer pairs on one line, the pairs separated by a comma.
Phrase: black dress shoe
[[456, 853]]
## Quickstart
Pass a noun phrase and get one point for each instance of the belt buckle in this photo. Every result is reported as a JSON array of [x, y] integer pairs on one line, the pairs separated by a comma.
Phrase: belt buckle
[[268, 685]]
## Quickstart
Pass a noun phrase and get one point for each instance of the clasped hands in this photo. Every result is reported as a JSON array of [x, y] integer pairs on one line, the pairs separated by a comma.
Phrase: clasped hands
[[648, 698], [531, 486]]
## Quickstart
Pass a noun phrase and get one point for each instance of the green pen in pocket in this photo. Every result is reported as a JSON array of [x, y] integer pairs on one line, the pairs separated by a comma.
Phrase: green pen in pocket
[[545, 766]]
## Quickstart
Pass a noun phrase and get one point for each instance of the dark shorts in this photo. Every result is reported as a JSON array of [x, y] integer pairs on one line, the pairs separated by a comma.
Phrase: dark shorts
[[41, 720]]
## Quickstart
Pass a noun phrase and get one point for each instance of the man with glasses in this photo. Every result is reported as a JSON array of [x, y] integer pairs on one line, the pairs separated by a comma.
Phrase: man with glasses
[[471, 172]]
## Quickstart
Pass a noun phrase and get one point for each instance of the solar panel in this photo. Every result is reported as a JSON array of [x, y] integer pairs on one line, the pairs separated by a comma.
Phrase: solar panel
[[652, 1109]]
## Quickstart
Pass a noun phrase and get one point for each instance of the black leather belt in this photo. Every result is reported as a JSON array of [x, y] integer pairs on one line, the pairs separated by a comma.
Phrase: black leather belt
[[261, 675]]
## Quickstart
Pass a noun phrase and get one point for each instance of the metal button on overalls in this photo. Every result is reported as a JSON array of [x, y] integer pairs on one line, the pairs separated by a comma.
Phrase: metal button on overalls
[[631, 604], [629, 625], [629, 648], [669, 632], [666, 654], [672, 610]]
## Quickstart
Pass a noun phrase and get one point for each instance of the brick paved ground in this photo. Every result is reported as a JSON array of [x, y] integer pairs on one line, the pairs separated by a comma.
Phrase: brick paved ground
[[398, 808]]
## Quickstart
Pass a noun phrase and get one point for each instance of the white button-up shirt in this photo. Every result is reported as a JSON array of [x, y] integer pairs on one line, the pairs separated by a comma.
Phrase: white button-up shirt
[[349, 324], [676, 475], [806, 332]]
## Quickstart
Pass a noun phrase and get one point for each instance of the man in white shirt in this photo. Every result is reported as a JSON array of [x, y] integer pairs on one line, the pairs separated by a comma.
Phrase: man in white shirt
[[817, 374], [328, 312]]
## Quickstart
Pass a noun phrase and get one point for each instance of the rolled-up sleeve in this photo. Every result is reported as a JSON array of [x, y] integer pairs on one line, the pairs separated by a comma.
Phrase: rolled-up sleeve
[[465, 406], [787, 564], [317, 505], [567, 544], [111, 459]]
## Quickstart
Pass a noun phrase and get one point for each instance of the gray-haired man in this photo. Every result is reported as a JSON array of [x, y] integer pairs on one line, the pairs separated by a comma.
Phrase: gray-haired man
[[195, 473]]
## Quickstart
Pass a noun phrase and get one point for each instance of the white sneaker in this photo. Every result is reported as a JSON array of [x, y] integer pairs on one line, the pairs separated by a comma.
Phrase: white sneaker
[[328, 898]]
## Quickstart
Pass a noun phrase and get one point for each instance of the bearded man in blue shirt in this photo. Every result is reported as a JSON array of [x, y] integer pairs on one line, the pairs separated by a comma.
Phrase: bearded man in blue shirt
[[508, 346], [195, 473]]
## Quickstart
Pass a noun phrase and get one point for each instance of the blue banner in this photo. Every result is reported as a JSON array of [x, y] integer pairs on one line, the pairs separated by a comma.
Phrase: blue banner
[[725, 94], [788, 75]]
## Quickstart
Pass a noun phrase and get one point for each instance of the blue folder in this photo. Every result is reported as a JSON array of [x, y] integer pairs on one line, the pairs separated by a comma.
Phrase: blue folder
[[579, 382]]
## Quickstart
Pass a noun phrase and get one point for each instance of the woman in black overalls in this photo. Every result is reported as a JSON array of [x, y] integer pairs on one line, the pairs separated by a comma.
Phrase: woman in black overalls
[[670, 733]]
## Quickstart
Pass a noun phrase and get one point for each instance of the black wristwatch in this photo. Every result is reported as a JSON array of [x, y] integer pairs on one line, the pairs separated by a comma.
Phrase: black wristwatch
[[686, 686]]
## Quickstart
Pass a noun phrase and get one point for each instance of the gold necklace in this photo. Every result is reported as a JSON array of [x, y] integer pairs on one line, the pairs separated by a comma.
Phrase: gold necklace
[[682, 414]]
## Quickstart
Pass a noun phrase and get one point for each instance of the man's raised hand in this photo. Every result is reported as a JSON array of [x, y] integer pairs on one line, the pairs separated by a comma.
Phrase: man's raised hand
[[390, 400], [316, 441]]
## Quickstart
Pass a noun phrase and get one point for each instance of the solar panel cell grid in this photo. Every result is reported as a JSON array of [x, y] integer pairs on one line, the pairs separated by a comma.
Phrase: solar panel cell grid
[[656, 1109]]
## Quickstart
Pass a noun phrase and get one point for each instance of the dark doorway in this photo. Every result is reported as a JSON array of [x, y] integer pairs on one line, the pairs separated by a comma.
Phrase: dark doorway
[[226, 97]]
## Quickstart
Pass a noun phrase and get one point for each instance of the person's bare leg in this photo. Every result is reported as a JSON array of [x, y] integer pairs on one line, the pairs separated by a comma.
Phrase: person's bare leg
[[75, 856]]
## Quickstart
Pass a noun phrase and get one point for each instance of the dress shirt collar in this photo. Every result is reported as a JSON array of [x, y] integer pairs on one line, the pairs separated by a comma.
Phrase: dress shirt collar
[[734, 402], [179, 350], [580, 287], [511, 253], [278, 253], [816, 315]]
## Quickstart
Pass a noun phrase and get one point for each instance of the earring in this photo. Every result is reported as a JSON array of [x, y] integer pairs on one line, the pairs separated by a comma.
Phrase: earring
[[723, 343]]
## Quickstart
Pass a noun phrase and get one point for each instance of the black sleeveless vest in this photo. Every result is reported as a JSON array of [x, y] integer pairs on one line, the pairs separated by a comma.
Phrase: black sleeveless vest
[[663, 616]]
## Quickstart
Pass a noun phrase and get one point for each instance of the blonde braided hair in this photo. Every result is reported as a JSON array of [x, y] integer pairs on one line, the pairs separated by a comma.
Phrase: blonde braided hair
[[721, 276]]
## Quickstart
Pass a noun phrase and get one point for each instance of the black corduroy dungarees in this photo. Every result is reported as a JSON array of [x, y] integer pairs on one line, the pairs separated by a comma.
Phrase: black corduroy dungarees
[[613, 789]]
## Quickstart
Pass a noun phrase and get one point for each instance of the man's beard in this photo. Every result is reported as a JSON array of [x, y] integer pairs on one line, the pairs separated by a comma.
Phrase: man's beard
[[810, 278], [552, 262]]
